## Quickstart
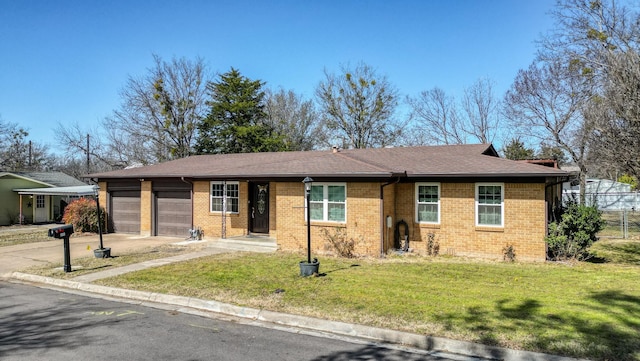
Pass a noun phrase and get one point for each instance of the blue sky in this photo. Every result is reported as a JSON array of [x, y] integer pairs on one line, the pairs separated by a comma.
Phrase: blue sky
[[66, 61]]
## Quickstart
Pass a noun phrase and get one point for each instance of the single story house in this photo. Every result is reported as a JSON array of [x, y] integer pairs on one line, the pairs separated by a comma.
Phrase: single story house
[[464, 197], [23, 199]]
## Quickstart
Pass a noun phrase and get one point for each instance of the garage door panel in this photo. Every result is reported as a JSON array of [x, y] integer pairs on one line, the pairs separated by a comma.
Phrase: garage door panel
[[125, 211], [173, 213]]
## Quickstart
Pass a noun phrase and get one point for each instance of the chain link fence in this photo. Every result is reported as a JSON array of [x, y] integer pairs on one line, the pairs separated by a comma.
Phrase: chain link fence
[[622, 223]]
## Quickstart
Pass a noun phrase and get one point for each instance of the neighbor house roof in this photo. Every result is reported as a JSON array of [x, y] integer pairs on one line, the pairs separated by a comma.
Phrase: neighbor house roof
[[84, 190], [479, 160], [51, 179]]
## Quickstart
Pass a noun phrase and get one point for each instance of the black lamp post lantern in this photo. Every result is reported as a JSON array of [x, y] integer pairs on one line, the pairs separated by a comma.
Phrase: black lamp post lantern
[[101, 252], [309, 267]]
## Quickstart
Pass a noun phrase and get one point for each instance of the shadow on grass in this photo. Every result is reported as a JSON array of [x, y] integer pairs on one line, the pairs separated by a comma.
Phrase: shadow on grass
[[573, 335], [339, 269], [618, 251]]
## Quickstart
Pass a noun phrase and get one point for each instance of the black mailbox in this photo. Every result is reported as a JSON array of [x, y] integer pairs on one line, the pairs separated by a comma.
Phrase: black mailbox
[[62, 231]]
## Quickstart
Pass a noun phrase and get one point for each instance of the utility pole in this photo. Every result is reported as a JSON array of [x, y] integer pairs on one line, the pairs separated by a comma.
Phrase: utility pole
[[88, 159]]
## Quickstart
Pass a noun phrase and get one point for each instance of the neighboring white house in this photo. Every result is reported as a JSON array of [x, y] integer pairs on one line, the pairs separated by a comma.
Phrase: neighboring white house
[[605, 193]]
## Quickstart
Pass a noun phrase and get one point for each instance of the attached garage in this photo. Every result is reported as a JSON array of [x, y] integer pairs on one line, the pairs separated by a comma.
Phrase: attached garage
[[124, 207], [173, 209], [125, 211]]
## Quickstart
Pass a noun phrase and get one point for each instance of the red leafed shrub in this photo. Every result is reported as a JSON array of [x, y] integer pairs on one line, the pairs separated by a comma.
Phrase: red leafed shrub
[[83, 214]]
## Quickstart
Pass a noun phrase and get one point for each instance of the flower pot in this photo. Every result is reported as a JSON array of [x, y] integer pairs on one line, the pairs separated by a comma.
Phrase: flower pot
[[309, 269], [102, 252]]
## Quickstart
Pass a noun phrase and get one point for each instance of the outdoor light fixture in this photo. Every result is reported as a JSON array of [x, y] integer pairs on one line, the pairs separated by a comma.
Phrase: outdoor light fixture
[[101, 252], [308, 268], [307, 187]]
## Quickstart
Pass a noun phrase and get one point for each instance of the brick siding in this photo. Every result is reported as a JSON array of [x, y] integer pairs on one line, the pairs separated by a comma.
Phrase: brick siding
[[524, 219]]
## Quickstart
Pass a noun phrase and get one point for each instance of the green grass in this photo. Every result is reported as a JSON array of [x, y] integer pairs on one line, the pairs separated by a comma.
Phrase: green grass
[[617, 250], [85, 265], [17, 236], [581, 309], [614, 220]]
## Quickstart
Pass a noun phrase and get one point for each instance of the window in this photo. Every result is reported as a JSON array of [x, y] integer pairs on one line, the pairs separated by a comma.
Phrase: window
[[39, 201], [218, 190], [428, 202], [328, 202], [490, 204]]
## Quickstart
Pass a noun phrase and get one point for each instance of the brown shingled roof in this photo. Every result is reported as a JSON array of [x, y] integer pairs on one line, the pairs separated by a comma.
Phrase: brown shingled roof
[[479, 160]]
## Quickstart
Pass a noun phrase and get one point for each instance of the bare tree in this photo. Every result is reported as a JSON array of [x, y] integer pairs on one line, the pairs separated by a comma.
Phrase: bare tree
[[359, 106], [86, 150], [17, 153], [436, 118], [294, 118], [440, 119], [159, 112], [481, 109], [547, 102], [600, 40]]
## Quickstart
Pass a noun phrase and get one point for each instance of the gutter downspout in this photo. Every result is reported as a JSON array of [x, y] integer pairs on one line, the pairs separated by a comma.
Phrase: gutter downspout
[[191, 194], [382, 217]]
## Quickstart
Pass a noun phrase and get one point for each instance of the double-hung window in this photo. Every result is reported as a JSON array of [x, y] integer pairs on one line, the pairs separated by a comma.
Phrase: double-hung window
[[428, 203], [490, 204], [329, 202], [222, 192]]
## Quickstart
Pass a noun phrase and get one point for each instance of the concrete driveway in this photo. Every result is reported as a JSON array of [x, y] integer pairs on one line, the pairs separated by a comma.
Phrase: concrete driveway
[[18, 257]]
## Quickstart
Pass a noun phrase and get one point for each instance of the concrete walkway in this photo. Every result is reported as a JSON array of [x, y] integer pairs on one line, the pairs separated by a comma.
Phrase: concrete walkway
[[21, 256], [210, 248], [450, 349]]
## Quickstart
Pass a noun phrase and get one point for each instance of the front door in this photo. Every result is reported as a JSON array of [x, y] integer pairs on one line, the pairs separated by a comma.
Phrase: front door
[[42, 209], [259, 217]]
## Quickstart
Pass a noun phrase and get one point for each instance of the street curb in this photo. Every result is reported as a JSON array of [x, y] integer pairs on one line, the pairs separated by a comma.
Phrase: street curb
[[375, 334]]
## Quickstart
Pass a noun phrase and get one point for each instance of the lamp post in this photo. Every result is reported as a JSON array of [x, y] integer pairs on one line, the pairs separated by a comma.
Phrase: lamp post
[[101, 252], [309, 267], [307, 187]]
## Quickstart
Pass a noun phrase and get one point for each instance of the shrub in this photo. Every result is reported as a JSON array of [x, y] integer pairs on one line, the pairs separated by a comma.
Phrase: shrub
[[575, 232], [509, 253], [338, 241], [83, 214], [433, 246]]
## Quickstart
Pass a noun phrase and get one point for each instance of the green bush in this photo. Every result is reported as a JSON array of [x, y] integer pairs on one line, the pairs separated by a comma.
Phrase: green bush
[[571, 237], [83, 214]]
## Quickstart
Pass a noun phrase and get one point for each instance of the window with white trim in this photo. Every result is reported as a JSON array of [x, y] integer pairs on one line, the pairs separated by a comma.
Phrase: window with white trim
[[490, 204], [428, 203], [218, 191], [328, 202], [40, 201]]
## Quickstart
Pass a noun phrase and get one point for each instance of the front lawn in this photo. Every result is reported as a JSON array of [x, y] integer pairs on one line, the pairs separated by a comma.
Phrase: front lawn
[[13, 235], [581, 310]]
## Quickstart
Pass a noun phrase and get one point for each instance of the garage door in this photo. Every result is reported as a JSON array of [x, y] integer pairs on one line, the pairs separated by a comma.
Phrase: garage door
[[125, 211], [173, 213]]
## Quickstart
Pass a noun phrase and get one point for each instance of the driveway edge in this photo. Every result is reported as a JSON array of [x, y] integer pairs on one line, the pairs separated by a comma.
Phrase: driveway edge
[[374, 334]]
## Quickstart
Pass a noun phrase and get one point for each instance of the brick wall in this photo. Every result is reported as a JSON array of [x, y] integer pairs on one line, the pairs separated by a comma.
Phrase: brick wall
[[362, 226], [457, 234], [211, 222], [146, 205]]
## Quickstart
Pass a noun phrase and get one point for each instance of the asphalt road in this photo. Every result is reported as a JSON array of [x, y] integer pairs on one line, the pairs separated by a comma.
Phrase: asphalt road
[[45, 324]]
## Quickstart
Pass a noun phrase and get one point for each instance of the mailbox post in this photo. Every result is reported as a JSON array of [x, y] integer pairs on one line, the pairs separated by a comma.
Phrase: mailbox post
[[63, 232]]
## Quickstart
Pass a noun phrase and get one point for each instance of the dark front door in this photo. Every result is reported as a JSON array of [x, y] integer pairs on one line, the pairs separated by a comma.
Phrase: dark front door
[[259, 217]]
